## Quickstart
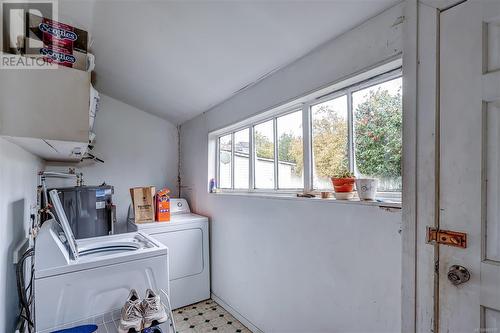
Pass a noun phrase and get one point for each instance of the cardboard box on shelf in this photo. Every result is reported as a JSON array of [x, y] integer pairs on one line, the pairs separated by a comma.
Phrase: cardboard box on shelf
[[163, 205], [56, 42], [143, 203]]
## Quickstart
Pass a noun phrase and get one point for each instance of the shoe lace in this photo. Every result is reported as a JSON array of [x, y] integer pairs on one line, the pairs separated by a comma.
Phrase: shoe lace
[[132, 311], [151, 305]]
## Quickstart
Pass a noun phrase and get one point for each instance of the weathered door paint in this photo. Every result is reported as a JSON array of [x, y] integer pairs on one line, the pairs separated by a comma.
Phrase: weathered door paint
[[470, 164]]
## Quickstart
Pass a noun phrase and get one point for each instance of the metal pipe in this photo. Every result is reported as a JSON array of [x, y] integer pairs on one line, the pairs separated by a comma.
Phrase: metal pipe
[[53, 174]]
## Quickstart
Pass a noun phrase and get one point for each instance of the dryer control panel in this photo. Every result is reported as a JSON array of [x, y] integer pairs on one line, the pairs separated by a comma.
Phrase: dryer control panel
[[179, 206]]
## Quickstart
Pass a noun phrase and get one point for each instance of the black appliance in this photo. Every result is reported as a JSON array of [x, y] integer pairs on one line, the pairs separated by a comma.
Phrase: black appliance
[[89, 210]]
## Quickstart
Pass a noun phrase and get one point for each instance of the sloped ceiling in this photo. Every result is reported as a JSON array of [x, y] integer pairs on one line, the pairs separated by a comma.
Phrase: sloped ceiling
[[177, 59]]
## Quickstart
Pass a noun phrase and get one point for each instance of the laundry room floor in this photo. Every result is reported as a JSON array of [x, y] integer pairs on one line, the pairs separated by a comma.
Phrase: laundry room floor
[[206, 316]]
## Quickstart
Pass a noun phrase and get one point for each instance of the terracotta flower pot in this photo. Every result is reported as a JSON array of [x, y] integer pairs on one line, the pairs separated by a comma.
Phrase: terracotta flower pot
[[343, 184]]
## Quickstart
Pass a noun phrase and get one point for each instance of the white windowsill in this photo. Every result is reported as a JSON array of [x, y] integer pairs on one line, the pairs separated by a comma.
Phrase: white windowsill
[[383, 203]]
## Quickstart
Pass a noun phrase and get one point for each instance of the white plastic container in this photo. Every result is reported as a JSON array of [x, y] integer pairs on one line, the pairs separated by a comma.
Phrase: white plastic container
[[367, 188]]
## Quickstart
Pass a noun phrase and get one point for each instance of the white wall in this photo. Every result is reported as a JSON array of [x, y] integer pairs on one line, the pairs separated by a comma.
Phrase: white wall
[[138, 149], [298, 265], [18, 181]]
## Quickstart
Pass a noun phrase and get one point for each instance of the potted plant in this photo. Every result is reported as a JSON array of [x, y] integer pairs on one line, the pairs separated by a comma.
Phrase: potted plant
[[343, 182]]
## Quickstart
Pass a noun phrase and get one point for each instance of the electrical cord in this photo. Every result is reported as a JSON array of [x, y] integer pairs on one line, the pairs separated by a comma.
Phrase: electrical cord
[[25, 293]]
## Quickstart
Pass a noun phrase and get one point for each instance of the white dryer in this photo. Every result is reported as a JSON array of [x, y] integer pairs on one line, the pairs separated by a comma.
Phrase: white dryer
[[186, 236], [78, 279]]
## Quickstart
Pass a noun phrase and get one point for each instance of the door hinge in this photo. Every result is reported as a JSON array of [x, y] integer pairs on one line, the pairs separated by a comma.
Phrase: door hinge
[[446, 237]]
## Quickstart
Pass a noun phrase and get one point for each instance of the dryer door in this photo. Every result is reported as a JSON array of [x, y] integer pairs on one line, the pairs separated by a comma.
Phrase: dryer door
[[185, 251]]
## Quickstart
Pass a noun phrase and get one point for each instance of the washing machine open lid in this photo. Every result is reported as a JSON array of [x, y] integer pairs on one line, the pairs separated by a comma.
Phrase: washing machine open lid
[[69, 238], [96, 247]]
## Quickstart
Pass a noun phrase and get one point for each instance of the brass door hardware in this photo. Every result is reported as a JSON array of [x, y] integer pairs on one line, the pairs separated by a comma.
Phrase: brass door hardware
[[446, 237]]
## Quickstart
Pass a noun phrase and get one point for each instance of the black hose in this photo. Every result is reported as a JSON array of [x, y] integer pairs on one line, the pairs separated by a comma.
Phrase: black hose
[[25, 293]]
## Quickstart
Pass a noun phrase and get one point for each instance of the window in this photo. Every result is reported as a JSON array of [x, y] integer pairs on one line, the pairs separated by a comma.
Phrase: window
[[377, 122], [329, 140], [264, 155], [225, 161], [241, 159], [302, 144], [287, 173], [359, 130], [290, 147]]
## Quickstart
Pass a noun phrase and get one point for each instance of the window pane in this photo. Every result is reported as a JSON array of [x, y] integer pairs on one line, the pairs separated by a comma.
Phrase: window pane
[[225, 161], [329, 140], [264, 155], [290, 148], [377, 133], [241, 159]]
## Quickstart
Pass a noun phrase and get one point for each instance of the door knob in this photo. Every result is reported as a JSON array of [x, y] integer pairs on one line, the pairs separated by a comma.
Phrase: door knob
[[458, 274]]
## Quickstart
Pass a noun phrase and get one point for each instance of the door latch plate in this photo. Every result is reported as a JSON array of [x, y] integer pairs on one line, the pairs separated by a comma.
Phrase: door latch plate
[[446, 237]]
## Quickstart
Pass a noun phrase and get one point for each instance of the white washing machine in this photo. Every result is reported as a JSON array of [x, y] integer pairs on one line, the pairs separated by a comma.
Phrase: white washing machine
[[186, 236], [78, 279]]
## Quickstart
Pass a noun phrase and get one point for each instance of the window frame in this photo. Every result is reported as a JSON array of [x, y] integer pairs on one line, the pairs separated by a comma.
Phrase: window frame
[[320, 100], [304, 105], [254, 156], [233, 154], [349, 91], [252, 152], [218, 161]]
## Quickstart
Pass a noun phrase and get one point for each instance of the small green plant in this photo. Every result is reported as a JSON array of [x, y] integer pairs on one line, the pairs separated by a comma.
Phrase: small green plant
[[343, 174]]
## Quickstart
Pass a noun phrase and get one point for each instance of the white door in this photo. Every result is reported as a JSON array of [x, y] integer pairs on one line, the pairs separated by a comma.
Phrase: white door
[[470, 164]]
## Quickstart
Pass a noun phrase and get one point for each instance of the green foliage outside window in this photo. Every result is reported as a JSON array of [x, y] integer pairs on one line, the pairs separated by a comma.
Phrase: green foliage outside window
[[264, 148], [329, 143], [378, 148], [378, 123]]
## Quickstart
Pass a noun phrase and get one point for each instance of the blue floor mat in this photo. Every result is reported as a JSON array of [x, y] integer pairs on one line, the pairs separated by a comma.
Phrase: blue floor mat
[[79, 329], [154, 329]]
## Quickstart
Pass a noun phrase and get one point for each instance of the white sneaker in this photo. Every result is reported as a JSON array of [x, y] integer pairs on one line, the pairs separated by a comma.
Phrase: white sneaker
[[152, 309], [131, 316]]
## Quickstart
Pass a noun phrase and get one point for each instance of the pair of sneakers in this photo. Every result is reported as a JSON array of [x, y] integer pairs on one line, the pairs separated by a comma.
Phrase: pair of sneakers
[[138, 314]]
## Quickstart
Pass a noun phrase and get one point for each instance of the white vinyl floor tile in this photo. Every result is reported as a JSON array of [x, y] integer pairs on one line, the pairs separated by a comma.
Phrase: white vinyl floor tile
[[206, 317]]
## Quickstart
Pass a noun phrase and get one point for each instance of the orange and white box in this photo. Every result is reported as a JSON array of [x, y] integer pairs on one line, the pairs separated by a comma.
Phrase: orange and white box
[[163, 206]]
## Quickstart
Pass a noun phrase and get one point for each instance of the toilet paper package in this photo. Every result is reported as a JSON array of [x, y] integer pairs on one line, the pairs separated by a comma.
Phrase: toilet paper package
[[58, 43]]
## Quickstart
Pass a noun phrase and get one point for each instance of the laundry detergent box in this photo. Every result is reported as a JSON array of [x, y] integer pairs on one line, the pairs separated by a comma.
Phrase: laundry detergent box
[[143, 203], [163, 205]]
